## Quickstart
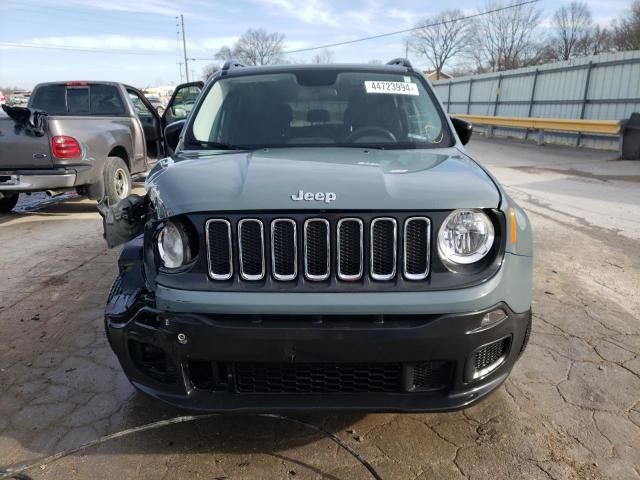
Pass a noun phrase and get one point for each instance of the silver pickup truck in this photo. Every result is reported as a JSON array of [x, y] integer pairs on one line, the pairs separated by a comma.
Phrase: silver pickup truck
[[83, 136]]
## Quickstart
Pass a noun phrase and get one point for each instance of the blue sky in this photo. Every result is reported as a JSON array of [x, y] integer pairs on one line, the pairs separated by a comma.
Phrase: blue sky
[[143, 32]]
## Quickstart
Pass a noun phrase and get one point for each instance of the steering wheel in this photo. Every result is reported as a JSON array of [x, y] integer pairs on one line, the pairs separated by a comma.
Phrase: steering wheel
[[376, 131]]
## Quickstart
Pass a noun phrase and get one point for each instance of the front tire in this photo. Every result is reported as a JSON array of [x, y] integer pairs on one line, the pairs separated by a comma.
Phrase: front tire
[[117, 180], [8, 201]]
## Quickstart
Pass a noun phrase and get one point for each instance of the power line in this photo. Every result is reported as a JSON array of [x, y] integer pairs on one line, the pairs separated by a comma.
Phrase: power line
[[299, 50], [406, 30], [82, 49]]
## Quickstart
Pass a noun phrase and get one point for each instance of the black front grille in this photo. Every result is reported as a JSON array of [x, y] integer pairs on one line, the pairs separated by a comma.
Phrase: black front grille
[[328, 251], [417, 233], [284, 249], [490, 354], [251, 239], [350, 237], [317, 378], [383, 248]]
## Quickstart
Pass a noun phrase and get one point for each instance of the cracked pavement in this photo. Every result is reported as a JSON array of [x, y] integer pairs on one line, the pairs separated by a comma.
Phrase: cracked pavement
[[570, 410]]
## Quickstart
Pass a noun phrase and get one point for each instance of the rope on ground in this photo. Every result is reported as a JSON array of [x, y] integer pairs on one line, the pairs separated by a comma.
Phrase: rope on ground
[[17, 472]]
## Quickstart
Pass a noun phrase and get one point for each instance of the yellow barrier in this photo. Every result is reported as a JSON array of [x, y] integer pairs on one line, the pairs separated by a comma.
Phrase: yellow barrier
[[605, 127]]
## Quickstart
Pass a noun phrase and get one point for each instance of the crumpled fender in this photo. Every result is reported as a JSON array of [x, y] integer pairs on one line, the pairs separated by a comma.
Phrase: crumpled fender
[[125, 220]]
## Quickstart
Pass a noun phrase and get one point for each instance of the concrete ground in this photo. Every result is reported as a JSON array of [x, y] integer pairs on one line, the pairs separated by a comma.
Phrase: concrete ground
[[569, 410]]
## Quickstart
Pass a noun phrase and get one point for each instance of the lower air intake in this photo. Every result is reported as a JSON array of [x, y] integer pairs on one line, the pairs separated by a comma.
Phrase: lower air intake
[[434, 375], [317, 378], [487, 358]]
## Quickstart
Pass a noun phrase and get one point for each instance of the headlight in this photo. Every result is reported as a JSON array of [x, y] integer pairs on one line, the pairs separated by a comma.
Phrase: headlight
[[465, 236], [173, 246]]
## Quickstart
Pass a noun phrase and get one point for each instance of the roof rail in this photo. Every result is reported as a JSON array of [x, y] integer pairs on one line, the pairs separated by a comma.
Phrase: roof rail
[[402, 62], [232, 64]]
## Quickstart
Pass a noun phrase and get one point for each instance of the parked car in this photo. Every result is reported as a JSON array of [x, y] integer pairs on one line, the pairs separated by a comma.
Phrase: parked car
[[157, 103], [3, 98], [90, 136], [320, 239]]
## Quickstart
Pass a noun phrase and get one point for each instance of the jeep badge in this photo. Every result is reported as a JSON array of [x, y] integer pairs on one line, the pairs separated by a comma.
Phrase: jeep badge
[[326, 197]]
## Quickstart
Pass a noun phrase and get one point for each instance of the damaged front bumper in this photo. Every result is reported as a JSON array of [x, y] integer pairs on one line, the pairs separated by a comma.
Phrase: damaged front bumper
[[277, 360]]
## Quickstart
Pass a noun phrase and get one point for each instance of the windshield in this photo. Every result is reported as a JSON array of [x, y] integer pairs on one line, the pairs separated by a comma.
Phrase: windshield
[[319, 108]]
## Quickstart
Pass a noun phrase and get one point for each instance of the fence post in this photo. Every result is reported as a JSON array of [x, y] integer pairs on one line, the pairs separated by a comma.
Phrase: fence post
[[584, 99], [531, 100], [449, 98], [469, 97], [495, 105]]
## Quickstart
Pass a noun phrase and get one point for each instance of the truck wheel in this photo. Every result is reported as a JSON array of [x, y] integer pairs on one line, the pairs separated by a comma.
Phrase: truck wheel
[[117, 180], [8, 201]]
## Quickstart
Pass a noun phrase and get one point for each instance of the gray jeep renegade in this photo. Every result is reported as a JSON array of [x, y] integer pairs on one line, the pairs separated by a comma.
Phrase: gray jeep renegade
[[319, 240]]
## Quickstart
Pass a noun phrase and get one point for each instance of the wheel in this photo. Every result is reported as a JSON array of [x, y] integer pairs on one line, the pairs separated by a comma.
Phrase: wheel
[[117, 180], [8, 201]]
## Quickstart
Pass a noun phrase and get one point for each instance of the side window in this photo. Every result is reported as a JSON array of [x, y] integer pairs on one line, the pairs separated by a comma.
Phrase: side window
[[182, 102], [105, 100], [141, 109]]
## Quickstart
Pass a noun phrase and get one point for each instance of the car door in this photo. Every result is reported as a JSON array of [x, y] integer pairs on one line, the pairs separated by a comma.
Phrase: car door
[[150, 122], [182, 102]]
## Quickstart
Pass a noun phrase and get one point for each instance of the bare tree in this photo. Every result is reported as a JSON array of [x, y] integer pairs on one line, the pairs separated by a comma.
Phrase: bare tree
[[441, 38], [599, 41], [505, 39], [626, 29], [325, 56], [255, 47], [573, 26], [223, 54], [209, 70]]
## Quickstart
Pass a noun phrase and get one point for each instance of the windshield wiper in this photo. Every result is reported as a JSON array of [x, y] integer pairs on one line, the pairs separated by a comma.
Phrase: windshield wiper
[[215, 145]]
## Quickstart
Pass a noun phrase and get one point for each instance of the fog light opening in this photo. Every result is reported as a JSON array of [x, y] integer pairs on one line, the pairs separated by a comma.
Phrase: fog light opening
[[487, 358], [152, 361]]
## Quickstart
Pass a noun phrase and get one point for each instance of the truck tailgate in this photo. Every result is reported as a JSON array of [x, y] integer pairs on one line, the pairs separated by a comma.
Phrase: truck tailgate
[[20, 149]]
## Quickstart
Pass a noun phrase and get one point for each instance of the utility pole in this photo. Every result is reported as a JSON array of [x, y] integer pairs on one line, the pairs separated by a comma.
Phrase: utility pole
[[180, 70], [184, 49]]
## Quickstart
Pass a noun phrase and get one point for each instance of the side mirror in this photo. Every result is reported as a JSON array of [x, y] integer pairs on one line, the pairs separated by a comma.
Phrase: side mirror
[[463, 129], [172, 134]]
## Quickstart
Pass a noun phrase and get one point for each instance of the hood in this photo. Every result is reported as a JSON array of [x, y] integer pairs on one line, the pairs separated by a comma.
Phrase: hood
[[321, 179]]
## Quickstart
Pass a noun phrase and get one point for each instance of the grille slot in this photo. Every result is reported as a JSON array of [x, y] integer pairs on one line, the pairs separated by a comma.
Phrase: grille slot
[[383, 248], [317, 249], [317, 378], [417, 247], [218, 232], [284, 249], [251, 249], [350, 247], [434, 375]]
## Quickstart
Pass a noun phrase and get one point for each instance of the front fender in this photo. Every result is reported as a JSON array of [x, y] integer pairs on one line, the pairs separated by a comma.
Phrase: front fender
[[125, 220]]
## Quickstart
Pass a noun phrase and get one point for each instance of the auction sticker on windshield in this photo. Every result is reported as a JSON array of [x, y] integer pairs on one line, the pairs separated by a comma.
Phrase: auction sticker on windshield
[[393, 88]]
